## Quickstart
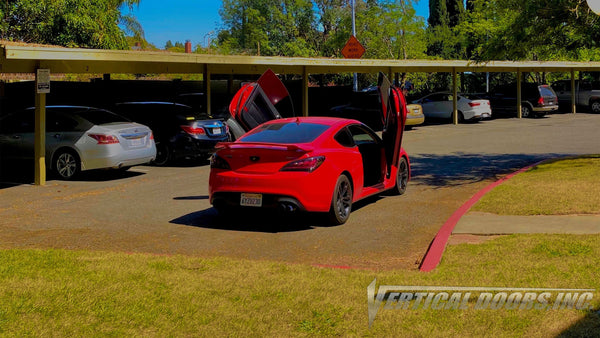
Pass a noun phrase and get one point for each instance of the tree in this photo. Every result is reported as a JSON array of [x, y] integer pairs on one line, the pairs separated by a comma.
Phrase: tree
[[533, 30], [267, 27], [70, 23]]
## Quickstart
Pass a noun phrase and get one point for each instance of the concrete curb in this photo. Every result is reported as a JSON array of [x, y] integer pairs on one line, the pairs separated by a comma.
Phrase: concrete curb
[[437, 247]]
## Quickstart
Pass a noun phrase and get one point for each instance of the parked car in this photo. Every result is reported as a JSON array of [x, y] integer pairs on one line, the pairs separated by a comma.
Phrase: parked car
[[364, 106], [414, 116], [179, 130], [77, 139], [440, 105], [315, 164], [585, 94], [536, 99]]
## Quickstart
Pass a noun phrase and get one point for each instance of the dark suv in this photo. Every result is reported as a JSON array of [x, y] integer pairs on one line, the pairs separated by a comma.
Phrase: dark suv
[[536, 99], [179, 130]]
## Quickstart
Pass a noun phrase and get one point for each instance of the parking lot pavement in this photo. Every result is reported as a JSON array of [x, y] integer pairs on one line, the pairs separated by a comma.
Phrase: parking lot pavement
[[165, 210]]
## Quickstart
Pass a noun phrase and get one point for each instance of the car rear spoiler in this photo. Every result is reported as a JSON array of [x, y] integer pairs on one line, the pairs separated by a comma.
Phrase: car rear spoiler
[[263, 145]]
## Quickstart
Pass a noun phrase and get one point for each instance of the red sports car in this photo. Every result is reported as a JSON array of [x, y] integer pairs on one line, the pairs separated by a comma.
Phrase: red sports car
[[315, 164]]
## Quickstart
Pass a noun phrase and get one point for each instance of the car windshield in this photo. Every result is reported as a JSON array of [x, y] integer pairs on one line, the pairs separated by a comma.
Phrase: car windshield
[[99, 117], [290, 132]]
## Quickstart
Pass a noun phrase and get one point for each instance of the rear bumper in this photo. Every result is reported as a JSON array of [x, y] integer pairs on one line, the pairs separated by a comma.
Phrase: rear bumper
[[545, 109], [271, 201], [412, 120], [118, 159], [310, 191]]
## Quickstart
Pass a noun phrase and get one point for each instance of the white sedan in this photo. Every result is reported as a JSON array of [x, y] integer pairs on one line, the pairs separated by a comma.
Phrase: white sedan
[[77, 139], [470, 107]]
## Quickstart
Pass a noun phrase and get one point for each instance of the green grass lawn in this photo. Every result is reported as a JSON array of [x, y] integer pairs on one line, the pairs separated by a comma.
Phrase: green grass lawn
[[563, 187], [78, 293]]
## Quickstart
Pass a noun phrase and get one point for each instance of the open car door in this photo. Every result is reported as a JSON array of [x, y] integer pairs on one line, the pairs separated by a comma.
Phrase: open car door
[[258, 102], [393, 115]]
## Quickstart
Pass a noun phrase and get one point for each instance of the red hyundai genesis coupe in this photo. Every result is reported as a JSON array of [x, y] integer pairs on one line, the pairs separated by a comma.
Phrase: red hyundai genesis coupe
[[314, 164]]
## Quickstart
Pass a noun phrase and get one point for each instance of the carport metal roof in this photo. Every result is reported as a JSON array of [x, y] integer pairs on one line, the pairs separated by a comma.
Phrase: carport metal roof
[[27, 59]]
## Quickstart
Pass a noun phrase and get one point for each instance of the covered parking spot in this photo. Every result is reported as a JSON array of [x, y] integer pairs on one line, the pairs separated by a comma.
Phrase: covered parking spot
[[26, 59]]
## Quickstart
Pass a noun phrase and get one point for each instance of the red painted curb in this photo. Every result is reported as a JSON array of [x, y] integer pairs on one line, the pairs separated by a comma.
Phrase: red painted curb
[[436, 249]]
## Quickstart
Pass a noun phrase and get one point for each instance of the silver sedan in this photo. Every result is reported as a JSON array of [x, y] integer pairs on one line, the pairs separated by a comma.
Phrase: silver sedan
[[77, 139]]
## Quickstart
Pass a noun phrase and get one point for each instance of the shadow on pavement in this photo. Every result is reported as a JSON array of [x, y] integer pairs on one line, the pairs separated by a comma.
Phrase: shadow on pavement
[[259, 220], [463, 168], [252, 221], [24, 174]]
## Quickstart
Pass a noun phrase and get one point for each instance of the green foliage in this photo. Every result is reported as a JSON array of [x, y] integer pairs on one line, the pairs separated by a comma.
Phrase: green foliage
[[70, 23], [532, 30], [267, 27], [388, 29]]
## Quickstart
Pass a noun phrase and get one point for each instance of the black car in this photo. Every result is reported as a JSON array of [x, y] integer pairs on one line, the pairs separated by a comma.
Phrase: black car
[[536, 99], [179, 130]]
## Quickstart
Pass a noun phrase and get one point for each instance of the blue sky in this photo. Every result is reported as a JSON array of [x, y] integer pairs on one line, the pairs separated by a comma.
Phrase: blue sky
[[181, 20]]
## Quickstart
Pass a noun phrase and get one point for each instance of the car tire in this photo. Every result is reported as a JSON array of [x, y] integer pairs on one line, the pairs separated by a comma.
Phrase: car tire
[[163, 154], [235, 130], [595, 106], [461, 117], [526, 111], [401, 177], [341, 203], [66, 164]]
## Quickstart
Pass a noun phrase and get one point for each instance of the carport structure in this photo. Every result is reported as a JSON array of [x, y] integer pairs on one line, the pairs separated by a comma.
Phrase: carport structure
[[27, 59]]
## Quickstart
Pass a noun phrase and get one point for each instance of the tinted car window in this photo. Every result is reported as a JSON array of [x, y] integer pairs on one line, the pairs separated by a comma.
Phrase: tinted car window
[[546, 91], [343, 137], [290, 132], [59, 122], [99, 117], [21, 122], [471, 96]]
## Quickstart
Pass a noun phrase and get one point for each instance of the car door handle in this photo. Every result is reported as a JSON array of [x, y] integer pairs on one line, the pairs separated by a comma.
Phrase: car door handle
[[56, 135], [16, 137]]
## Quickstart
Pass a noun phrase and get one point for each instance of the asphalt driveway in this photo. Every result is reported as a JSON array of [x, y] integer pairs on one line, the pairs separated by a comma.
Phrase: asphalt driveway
[[165, 210]]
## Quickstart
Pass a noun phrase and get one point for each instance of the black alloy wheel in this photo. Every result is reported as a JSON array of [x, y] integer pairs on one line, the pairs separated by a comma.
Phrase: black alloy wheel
[[341, 203]]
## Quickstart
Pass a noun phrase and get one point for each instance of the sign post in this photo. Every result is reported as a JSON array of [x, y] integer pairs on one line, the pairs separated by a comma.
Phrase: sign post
[[42, 87]]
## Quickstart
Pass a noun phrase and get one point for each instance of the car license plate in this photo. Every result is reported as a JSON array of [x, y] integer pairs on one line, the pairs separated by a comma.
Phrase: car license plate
[[216, 131], [136, 142], [251, 200]]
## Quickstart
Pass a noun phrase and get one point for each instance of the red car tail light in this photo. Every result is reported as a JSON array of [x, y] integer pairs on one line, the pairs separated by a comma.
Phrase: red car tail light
[[474, 104], [104, 139], [307, 164], [151, 135], [540, 101], [217, 162], [193, 131]]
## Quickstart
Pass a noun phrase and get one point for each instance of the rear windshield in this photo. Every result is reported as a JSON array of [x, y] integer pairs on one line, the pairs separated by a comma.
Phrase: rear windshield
[[290, 132], [471, 96], [99, 117], [546, 91]]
